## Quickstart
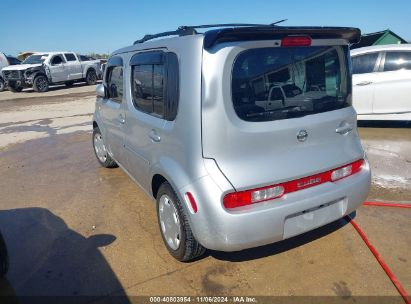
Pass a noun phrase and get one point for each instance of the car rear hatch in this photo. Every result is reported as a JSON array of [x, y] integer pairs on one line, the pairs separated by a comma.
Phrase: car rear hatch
[[276, 105]]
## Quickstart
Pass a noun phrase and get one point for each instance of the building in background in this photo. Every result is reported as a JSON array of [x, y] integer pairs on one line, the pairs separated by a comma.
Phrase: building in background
[[379, 38]]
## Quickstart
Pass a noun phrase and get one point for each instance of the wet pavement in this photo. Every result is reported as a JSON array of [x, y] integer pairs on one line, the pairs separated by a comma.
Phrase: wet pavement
[[74, 228]]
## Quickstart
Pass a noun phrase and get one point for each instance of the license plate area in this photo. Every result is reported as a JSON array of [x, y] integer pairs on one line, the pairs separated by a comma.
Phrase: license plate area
[[312, 218]]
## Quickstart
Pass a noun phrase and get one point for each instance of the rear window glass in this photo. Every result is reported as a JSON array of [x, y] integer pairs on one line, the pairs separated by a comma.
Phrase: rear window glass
[[279, 83]]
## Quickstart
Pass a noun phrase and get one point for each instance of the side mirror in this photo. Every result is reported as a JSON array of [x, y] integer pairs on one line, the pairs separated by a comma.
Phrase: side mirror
[[101, 90]]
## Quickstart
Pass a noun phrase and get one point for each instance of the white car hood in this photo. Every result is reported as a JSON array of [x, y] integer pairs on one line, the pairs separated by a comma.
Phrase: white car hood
[[20, 67]]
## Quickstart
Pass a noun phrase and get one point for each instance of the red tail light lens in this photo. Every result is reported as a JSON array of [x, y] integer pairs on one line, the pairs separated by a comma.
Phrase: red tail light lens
[[192, 202], [248, 197], [296, 41]]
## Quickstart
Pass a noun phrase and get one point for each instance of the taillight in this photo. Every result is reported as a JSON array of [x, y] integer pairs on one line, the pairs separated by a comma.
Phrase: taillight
[[248, 197], [296, 41], [345, 171], [243, 198]]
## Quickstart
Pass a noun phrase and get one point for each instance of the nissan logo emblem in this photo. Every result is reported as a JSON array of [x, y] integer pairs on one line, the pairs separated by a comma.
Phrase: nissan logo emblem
[[302, 135]]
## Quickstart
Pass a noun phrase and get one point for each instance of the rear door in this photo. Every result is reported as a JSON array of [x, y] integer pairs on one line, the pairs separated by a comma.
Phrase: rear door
[[310, 129], [112, 108], [365, 73], [58, 69], [74, 66], [393, 84], [151, 109]]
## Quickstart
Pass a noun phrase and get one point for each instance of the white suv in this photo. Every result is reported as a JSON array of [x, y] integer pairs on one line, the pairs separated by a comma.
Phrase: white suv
[[382, 82]]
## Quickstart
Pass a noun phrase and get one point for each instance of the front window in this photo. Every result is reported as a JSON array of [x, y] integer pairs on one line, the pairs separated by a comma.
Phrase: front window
[[279, 83], [35, 59]]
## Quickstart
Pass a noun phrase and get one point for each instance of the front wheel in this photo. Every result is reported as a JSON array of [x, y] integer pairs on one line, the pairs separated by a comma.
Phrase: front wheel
[[2, 85], [100, 150], [91, 77], [174, 226], [41, 84], [4, 258]]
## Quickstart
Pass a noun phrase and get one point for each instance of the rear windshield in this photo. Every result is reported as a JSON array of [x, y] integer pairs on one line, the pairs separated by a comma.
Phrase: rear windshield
[[286, 82]]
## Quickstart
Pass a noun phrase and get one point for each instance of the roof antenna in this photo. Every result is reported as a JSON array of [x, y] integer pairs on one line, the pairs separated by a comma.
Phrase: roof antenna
[[277, 22]]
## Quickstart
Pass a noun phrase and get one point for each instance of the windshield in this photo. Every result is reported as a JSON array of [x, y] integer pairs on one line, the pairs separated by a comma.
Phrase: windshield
[[286, 82], [35, 59]]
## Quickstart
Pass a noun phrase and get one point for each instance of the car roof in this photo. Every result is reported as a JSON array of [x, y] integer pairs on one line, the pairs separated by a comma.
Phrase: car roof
[[52, 53], [238, 32], [378, 48]]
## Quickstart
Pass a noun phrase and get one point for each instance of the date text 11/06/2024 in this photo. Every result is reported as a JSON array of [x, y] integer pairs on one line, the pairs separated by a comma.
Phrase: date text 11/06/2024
[[203, 299]]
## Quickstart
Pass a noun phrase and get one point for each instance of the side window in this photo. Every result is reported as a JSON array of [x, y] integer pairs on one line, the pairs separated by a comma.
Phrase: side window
[[364, 63], [84, 58], [70, 57], [155, 83], [57, 60], [115, 83], [395, 61]]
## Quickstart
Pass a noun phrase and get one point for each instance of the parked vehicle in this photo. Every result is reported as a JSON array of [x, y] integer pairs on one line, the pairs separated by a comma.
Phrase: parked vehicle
[[4, 258], [43, 69], [4, 62], [382, 82], [198, 122]]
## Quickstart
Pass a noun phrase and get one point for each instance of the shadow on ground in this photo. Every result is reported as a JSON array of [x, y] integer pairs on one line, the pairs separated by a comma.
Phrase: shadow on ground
[[47, 258]]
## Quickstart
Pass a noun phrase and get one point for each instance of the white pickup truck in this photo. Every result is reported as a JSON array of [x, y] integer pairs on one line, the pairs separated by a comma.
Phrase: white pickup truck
[[43, 69]]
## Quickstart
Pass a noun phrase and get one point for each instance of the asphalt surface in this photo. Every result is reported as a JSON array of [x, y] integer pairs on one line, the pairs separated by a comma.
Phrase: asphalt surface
[[74, 228]]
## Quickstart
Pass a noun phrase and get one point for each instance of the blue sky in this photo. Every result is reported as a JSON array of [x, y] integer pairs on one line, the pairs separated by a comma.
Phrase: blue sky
[[87, 26]]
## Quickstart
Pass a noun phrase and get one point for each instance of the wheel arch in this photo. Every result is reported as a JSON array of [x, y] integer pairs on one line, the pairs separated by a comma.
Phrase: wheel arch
[[156, 183], [90, 68]]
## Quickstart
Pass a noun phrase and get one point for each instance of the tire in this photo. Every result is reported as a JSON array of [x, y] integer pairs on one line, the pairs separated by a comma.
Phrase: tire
[[41, 84], [15, 89], [91, 77], [188, 248], [69, 83], [100, 150], [4, 258], [2, 85]]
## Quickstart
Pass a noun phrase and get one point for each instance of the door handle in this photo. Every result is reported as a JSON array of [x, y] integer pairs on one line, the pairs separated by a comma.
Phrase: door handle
[[344, 128], [121, 119], [364, 83], [154, 136]]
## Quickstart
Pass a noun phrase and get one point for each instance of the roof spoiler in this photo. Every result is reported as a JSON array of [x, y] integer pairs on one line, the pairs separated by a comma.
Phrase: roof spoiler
[[213, 37]]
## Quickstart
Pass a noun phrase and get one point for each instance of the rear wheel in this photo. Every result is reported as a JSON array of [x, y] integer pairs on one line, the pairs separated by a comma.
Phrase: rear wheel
[[41, 84], [4, 258], [91, 77], [15, 89], [2, 85], [174, 226], [100, 150]]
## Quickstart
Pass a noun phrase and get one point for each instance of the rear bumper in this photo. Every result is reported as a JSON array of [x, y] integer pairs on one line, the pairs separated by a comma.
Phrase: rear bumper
[[295, 213]]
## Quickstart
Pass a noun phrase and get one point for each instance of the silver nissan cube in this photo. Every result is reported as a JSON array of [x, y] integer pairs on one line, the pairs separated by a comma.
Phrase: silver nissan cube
[[243, 134]]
